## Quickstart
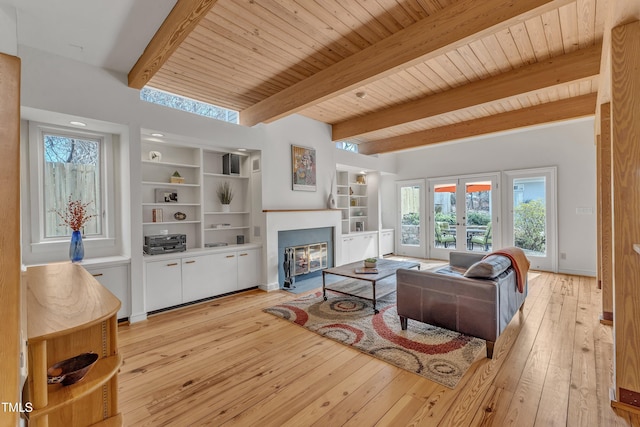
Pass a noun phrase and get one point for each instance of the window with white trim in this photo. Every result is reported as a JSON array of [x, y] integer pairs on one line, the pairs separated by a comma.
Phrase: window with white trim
[[182, 103], [71, 165]]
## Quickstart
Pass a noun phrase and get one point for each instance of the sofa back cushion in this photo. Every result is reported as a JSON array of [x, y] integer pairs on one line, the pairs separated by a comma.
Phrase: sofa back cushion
[[464, 259], [489, 267]]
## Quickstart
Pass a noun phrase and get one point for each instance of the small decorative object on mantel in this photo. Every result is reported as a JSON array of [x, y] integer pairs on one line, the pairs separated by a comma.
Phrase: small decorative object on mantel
[[155, 156], [180, 216], [176, 178], [331, 201], [225, 195], [75, 216]]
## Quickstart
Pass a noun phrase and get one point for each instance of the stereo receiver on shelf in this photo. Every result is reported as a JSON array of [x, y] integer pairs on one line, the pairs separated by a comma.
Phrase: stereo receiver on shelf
[[165, 243]]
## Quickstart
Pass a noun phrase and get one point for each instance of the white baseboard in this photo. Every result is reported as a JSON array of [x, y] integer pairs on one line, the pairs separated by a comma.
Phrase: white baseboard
[[138, 317], [270, 287], [588, 273]]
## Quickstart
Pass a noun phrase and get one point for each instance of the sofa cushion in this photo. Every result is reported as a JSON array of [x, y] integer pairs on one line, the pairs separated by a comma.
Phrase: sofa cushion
[[489, 267]]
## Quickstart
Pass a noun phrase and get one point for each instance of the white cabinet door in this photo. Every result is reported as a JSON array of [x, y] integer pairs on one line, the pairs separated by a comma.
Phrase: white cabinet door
[[164, 284], [370, 246], [224, 272], [116, 279], [387, 242], [197, 278], [346, 250], [249, 268], [359, 248]]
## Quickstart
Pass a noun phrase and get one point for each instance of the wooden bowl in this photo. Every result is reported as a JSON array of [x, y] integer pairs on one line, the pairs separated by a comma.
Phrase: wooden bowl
[[71, 370]]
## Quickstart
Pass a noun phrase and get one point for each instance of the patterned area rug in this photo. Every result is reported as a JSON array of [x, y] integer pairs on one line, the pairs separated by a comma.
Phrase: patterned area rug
[[438, 354]]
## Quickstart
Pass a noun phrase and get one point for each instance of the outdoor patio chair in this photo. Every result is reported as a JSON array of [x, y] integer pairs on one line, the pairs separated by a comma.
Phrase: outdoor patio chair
[[482, 239], [443, 238]]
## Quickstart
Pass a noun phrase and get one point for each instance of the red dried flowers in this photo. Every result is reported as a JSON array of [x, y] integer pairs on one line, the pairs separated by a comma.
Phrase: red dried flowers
[[75, 215]]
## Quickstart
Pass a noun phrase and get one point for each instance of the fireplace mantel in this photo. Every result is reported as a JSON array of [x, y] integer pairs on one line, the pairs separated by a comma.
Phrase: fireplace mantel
[[296, 219]]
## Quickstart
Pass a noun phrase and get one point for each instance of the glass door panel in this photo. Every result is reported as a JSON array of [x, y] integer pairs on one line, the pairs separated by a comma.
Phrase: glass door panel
[[411, 218], [478, 215], [532, 216], [445, 214], [529, 215], [463, 214]]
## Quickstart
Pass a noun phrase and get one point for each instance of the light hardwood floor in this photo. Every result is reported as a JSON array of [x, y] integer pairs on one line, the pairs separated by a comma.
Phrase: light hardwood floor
[[226, 362]]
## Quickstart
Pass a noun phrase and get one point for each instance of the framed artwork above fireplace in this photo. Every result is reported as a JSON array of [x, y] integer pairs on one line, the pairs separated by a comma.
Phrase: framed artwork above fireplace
[[303, 167]]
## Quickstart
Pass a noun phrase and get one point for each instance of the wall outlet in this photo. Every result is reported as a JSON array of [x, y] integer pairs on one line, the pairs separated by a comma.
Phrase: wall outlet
[[584, 211], [563, 255]]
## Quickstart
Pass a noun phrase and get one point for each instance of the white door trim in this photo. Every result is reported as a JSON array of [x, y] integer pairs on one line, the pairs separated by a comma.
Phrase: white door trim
[[550, 262], [419, 251]]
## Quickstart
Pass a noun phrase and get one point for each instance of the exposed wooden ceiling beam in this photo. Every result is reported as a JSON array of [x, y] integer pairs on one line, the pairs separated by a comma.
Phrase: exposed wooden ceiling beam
[[452, 27], [182, 19], [575, 66], [571, 108]]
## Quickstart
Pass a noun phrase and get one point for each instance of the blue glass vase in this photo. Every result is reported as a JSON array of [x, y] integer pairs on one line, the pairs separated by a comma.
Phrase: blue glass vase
[[76, 250]]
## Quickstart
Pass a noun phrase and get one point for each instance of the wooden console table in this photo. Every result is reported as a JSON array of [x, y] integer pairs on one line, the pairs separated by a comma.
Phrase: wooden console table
[[68, 313]]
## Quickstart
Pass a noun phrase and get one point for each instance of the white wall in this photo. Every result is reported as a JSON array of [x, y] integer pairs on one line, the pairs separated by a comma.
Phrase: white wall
[[8, 30], [277, 190], [567, 145]]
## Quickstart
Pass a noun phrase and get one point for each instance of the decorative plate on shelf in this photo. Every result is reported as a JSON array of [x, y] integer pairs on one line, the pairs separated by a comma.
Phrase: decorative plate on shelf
[[180, 216]]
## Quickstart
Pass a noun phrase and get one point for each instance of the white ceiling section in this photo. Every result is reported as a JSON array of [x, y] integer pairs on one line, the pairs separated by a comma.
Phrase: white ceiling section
[[110, 34]]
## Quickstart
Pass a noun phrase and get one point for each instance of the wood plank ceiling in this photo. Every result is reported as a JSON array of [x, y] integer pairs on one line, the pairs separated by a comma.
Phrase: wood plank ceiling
[[387, 74]]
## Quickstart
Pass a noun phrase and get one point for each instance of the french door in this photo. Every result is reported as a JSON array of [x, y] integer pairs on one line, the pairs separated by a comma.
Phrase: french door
[[463, 214], [410, 241], [531, 223]]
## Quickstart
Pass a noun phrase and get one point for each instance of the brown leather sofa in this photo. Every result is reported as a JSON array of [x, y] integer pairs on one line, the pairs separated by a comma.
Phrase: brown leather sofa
[[444, 297]]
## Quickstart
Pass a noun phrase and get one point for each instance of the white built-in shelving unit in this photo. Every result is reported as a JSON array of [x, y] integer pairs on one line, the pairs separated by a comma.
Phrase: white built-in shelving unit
[[222, 226], [205, 221], [352, 200]]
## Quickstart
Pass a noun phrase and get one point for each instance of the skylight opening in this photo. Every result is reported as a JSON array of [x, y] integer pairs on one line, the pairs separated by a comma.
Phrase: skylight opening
[[189, 105]]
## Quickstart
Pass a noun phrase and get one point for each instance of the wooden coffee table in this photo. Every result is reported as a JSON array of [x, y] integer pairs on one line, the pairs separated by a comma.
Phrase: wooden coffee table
[[386, 268]]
